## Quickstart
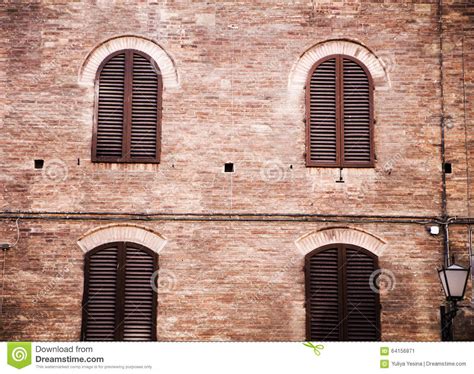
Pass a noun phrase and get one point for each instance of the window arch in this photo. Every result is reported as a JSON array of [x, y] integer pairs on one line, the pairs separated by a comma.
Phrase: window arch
[[119, 300], [127, 123], [340, 301], [339, 113]]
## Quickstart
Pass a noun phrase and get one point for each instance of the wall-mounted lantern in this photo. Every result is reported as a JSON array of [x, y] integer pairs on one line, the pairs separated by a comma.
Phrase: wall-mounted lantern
[[454, 280]]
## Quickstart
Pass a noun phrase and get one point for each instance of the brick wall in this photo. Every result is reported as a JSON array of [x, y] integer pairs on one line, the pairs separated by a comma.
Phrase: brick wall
[[217, 281], [233, 102]]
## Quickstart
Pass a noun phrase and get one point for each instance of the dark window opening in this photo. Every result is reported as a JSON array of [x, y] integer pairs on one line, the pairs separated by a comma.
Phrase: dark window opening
[[448, 168], [229, 167], [39, 164]]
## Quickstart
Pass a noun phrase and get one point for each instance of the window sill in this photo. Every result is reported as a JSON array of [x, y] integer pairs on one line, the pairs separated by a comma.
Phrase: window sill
[[119, 161]]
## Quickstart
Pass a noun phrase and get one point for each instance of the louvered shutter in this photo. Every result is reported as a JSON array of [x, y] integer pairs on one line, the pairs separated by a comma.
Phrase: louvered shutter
[[322, 300], [99, 319], [139, 303], [128, 125], [340, 303], [322, 120], [357, 114], [361, 300], [119, 300], [339, 105], [110, 112], [144, 108]]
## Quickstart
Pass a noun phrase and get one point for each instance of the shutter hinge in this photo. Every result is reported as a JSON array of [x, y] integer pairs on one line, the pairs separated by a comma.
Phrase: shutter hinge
[[304, 120]]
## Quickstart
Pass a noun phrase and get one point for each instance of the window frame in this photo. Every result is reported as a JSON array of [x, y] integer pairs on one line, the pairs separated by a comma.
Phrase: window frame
[[127, 111], [339, 163], [120, 291], [342, 286]]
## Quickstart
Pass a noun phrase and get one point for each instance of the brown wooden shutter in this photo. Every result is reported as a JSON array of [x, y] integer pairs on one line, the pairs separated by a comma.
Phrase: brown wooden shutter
[[357, 114], [119, 300], [322, 119], [140, 300], [144, 108], [99, 320], [361, 301], [339, 114], [340, 304], [322, 295], [110, 113], [128, 123]]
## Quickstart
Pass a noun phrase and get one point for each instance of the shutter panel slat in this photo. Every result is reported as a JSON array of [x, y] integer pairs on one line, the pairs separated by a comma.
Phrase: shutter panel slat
[[361, 300], [100, 306], [139, 295], [322, 108], [323, 300], [144, 109], [111, 108], [357, 116]]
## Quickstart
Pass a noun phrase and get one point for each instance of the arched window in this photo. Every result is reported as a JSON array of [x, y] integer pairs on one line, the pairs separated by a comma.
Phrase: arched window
[[340, 301], [119, 293], [339, 114], [127, 126]]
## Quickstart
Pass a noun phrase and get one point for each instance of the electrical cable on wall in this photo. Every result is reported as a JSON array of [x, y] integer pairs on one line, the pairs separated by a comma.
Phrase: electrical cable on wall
[[466, 155], [3, 286], [5, 247], [444, 209]]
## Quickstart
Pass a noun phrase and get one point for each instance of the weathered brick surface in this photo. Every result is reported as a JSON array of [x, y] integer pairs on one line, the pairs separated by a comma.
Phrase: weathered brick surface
[[234, 102], [218, 281]]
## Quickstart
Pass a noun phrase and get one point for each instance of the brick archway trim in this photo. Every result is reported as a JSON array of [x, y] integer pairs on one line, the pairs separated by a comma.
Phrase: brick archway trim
[[344, 235], [299, 72], [122, 233], [94, 59]]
